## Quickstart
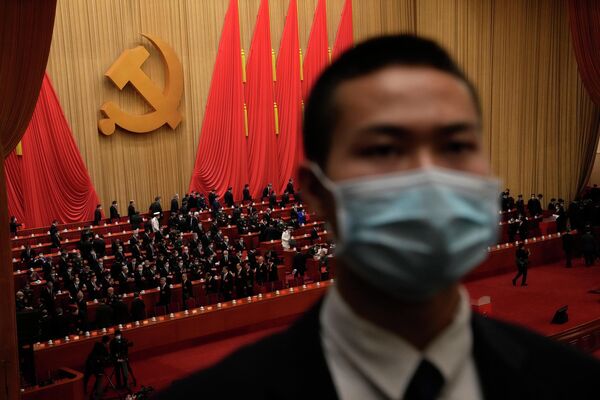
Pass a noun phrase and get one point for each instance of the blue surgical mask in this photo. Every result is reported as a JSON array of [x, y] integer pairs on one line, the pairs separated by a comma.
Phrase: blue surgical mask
[[415, 233]]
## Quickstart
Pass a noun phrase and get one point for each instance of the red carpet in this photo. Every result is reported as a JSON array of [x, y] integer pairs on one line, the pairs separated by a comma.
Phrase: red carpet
[[160, 370], [550, 287]]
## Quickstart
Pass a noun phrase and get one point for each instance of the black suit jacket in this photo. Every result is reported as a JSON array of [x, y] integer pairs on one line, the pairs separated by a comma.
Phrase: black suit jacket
[[114, 213], [512, 363]]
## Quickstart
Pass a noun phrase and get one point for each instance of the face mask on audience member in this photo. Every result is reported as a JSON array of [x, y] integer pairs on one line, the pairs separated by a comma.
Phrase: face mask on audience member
[[414, 233]]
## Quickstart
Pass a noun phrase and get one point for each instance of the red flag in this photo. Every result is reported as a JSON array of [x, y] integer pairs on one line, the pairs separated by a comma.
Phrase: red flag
[[262, 142], [344, 37], [221, 160], [288, 95], [317, 55]]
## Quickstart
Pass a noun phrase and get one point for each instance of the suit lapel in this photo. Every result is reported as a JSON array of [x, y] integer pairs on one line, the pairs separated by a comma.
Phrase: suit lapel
[[308, 375], [499, 360]]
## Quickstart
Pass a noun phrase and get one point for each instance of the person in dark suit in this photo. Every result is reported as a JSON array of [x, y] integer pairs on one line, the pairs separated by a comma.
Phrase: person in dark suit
[[131, 209], [290, 187], [164, 295], [588, 247], [187, 290], [227, 282], [522, 260], [114, 212], [533, 206], [14, 226], [568, 243], [155, 207], [27, 255], [299, 264], [99, 245], [95, 363], [175, 204], [379, 333], [267, 191], [228, 197], [246, 196], [520, 205], [97, 215], [272, 200], [138, 307]]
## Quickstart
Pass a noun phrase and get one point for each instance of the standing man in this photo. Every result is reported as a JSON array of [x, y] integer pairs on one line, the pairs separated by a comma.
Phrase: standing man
[[568, 242], [522, 259], [228, 197], [97, 215], [290, 187], [155, 207], [114, 211], [395, 163], [131, 209], [175, 204], [588, 247], [246, 196]]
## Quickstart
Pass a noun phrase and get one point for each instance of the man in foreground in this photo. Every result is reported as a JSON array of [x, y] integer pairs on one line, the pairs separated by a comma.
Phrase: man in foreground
[[395, 163]]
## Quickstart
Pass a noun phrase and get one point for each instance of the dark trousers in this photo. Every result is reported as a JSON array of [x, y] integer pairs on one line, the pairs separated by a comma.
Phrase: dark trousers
[[522, 272], [122, 373], [568, 257], [589, 258]]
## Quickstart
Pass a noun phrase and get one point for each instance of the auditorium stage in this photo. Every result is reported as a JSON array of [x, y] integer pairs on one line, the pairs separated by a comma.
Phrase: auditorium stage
[[550, 287]]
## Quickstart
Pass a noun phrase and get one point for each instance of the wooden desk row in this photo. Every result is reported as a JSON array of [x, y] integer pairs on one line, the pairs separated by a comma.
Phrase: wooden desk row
[[183, 326]]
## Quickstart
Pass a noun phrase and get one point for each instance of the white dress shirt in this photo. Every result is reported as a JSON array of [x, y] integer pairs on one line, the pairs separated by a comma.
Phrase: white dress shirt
[[369, 362]]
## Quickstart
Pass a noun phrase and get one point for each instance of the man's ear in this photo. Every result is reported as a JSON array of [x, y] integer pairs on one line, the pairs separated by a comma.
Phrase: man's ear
[[319, 199]]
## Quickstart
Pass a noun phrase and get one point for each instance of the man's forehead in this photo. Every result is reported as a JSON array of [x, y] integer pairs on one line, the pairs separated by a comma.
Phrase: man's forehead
[[405, 92], [403, 84]]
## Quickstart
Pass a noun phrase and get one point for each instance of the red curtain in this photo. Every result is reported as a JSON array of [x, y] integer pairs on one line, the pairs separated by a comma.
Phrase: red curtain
[[344, 37], [13, 168], [221, 159], [584, 21], [317, 56], [262, 144], [584, 18], [288, 95], [25, 36], [50, 180]]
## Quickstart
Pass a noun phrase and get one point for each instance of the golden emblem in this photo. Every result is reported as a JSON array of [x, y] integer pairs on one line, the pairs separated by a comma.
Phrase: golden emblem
[[128, 69]]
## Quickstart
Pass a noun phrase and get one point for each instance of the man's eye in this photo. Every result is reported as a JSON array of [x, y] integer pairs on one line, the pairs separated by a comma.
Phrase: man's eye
[[460, 147], [381, 151]]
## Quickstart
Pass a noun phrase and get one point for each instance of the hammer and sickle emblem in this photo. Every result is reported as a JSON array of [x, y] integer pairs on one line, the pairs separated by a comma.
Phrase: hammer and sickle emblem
[[127, 69]]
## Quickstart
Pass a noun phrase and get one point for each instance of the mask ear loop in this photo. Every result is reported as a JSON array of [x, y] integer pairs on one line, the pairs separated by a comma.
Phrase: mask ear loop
[[340, 210]]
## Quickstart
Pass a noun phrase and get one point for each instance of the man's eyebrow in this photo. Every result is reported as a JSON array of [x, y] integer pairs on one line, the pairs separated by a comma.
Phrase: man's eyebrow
[[386, 130], [457, 127], [400, 132]]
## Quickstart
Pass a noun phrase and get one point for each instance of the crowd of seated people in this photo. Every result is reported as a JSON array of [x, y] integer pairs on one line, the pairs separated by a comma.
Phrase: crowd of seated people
[[156, 257]]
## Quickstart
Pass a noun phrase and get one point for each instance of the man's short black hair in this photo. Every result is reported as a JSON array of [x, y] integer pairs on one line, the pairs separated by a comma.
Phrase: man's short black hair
[[321, 114]]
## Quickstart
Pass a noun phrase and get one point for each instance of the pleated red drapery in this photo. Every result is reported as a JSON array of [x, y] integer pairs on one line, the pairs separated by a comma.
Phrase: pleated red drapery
[[317, 50], [13, 169], [55, 183], [288, 95], [584, 18], [25, 35], [221, 158], [262, 142], [344, 37], [584, 21]]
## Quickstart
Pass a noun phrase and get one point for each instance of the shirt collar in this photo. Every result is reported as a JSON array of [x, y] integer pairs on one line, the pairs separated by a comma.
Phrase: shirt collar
[[387, 360]]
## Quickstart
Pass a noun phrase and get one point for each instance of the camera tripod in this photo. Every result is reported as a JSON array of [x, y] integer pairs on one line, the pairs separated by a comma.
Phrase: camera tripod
[[110, 384]]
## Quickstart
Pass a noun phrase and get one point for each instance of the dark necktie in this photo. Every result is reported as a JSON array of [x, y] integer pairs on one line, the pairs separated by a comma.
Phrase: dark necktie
[[426, 383]]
